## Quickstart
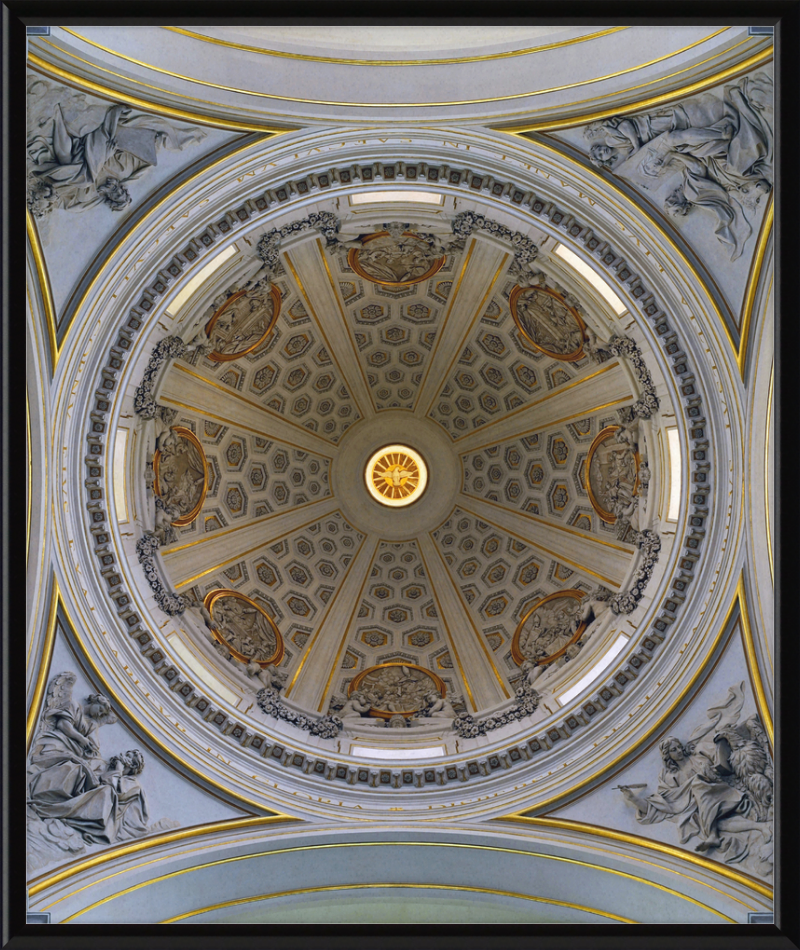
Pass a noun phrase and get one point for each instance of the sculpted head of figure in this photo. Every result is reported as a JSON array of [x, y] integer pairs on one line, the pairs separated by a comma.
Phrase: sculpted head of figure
[[602, 156], [114, 193], [97, 707], [676, 204], [673, 752], [134, 762]]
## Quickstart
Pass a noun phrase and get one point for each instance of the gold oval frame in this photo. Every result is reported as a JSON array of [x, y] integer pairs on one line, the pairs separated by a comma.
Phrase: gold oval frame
[[516, 654], [385, 713], [603, 436], [276, 309], [185, 433], [352, 261], [213, 596], [512, 303]]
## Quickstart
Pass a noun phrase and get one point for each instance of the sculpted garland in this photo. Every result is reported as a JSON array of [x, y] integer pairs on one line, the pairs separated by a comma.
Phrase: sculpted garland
[[699, 497]]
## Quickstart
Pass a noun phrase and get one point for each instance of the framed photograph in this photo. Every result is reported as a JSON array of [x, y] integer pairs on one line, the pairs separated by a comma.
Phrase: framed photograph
[[415, 374]]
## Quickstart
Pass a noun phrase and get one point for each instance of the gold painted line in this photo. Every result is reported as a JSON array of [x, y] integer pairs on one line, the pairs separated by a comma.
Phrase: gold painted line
[[224, 419], [550, 422], [30, 477], [322, 619], [118, 96], [706, 864], [44, 663], [553, 394], [550, 125], [321, 328], [247, 524], [44, 286], [373, 844], [660, 866], [345, 321], [767, 466], [395, 62], [752, 662], [168, 754], [608, 770], [42, 884], [150, 105], [427, 887], [473, 321], [541, 547], [752, 284], [244, 554], [44, 400], [249, 402], [552, 524], [335, 664], [468, 614], [449, 633], [386, 105], [440, 333]]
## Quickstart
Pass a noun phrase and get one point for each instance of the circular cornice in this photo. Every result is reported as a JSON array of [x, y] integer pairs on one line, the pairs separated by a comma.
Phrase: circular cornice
[[696, 366]]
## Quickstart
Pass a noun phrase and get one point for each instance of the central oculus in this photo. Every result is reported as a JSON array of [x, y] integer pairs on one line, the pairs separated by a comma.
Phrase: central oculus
[[396, 475]]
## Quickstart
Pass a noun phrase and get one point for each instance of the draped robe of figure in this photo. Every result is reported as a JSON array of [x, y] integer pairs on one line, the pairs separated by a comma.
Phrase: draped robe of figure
[[697, 799], [75, 162], [724, 144], [72, 787]]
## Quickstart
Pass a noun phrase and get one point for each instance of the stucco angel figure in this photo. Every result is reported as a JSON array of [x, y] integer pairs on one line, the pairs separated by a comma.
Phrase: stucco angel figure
[[439, 707], [718, 791], [270, 676], [77, 162], [357, 705], [68, 779]]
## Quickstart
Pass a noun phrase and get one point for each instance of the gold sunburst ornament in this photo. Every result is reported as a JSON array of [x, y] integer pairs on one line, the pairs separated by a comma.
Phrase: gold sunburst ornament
[[396, 475]]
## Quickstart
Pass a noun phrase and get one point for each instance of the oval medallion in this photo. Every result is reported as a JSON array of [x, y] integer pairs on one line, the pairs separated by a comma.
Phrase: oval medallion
[[181, 477], [410, 260], [548, 322], [396, 689], [549, 627], [243, 322], [244, 627], [611, 474]]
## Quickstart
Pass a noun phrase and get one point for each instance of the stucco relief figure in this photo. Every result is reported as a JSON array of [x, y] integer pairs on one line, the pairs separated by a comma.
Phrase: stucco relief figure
[[722, 147], [550, 628], [357, 705], [548, 322], [396, 257], [396, 688], [717, 788], [180, 469], [245, 628], [242, 322], [612, 475], [75, 796], [268, 677], [82, 155]]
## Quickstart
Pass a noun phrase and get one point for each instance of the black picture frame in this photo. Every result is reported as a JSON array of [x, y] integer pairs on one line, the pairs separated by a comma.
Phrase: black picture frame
[[20, 934]]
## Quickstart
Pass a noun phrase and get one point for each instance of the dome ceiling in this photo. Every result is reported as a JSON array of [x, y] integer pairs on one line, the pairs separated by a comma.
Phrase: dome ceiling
[[541, 410], [438, 360]]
